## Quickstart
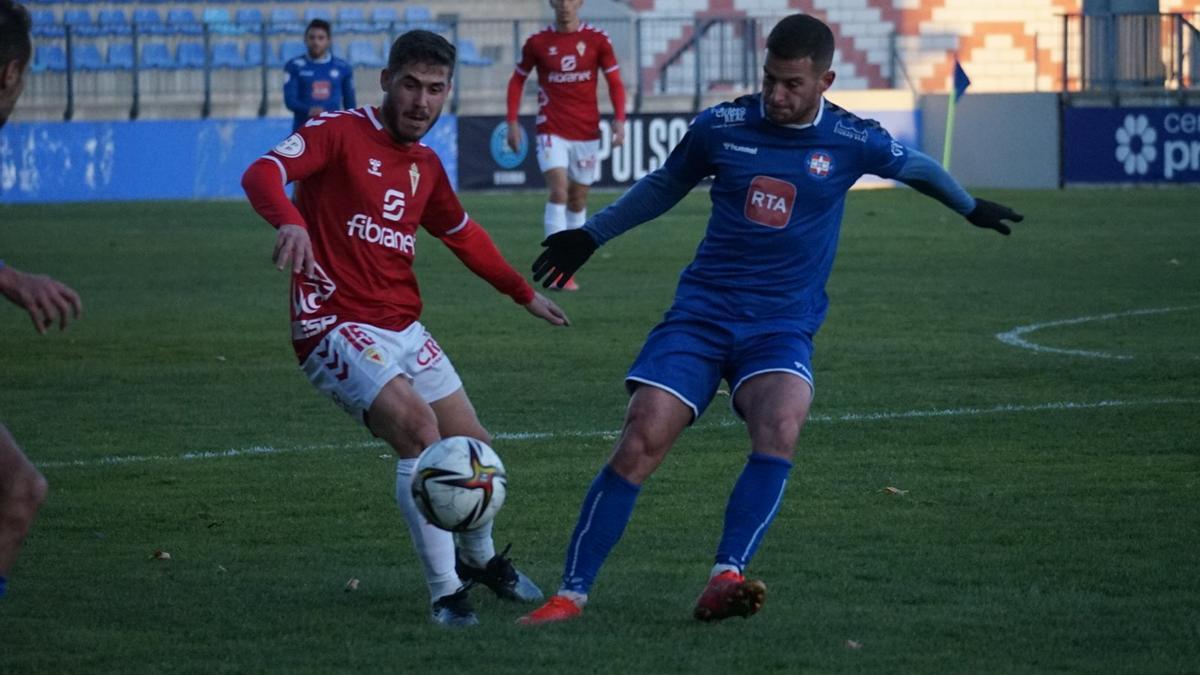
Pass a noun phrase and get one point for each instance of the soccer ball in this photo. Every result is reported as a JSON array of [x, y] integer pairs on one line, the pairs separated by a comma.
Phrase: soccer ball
[[459, 483]]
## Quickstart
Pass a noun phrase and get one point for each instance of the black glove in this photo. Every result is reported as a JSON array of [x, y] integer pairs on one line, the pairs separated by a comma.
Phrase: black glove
[[565, 253], [992, 216]]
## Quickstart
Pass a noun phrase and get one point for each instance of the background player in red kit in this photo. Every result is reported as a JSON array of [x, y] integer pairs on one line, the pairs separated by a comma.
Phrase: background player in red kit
[[567, 56], [350, 242]]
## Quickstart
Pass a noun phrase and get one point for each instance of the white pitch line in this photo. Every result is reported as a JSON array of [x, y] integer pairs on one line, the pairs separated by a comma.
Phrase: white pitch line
[[258, 450], [1013, 337]]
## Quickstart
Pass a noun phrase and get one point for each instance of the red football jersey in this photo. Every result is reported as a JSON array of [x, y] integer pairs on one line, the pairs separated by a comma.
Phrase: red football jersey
[[363, 197], [567, 65]]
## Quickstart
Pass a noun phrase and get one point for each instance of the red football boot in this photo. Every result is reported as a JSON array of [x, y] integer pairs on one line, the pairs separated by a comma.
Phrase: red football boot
[[730, 594]]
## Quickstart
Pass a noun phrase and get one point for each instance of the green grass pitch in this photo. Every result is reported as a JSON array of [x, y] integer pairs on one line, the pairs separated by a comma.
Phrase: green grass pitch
[[1048, 508]]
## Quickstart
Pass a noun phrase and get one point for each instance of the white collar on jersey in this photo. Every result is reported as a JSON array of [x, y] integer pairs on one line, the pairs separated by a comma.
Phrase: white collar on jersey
[[324, 59], [762, 111]]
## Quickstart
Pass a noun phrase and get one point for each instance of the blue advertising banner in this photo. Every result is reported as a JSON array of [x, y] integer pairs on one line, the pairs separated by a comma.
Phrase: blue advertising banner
[[149, 159], [488, 163], [1131, 145]]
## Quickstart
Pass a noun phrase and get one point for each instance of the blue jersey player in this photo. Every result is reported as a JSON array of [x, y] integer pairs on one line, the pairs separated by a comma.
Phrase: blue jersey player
[[749, 304], [318, 81]]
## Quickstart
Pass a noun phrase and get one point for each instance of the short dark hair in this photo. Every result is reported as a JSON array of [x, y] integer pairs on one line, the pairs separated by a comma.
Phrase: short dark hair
[[321, 24], [15, 43], [801, 36], [421, 46]]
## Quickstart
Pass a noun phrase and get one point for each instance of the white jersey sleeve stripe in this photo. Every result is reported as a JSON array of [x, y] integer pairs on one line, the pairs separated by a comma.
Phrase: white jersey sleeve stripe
[[458, 228], [371, 116], [522, 73], [282, 171], [613, 69]]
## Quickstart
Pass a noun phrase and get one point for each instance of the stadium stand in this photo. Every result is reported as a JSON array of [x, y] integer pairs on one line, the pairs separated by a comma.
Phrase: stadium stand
[[902, 44]]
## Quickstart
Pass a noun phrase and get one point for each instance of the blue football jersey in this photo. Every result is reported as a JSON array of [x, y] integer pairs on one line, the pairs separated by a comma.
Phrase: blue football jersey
[[327, 83], [778, 194]]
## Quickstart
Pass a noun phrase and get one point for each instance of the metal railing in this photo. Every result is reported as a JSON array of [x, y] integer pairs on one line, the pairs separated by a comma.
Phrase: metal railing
[[1130, 52]]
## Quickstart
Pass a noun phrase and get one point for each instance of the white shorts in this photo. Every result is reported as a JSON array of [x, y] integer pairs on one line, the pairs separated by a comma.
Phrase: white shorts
[[355, 360], [581, 159]]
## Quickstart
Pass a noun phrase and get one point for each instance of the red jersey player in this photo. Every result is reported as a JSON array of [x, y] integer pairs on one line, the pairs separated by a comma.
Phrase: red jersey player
[[567, 57], [349, 243], [22, 486]]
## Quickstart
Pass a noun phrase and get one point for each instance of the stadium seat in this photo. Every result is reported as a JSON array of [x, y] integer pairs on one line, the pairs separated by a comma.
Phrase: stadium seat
[[190, 54], [227, 54], [384, 17], [113, 22], [219, 20], [285, 20], [417, 13], [149, 22], [250, 19], [120, 55], [45, 23], [365, 53], [353, 20], [50, 58], [87, 57], [468, 54], [155, 55], [419, 16], [80, 21], [318, 12], [254, 54], [290, 50], [184, 22]]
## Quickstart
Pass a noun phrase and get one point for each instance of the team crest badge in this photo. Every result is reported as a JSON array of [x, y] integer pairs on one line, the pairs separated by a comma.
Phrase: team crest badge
[[374, 356], [819, 163], [414, 177], [580, 47]]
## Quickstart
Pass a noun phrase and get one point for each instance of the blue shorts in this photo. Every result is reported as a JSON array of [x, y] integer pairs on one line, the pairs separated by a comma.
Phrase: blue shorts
[[688, 357]]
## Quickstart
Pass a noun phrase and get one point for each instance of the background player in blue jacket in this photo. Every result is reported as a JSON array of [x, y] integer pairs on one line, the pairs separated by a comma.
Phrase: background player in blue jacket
[[747, 306], [318, 81]]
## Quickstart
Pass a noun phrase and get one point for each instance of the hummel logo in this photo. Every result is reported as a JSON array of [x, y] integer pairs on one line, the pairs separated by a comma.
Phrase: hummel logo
[[375, 164], [740, 148]]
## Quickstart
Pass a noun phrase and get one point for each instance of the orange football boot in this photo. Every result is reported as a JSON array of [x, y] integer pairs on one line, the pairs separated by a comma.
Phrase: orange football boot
[[557, 608]]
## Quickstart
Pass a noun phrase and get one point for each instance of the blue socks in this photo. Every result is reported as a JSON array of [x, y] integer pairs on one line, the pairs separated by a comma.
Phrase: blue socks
[[752, 506], [3, 586], [609, 504], [602, 520]]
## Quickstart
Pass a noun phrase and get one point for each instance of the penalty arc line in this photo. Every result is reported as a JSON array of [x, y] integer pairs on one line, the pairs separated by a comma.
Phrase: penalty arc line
[[1013, 337], [264, 450]]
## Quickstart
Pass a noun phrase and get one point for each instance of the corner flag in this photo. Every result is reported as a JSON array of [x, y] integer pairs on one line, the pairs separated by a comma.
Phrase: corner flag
[[961, 82]]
